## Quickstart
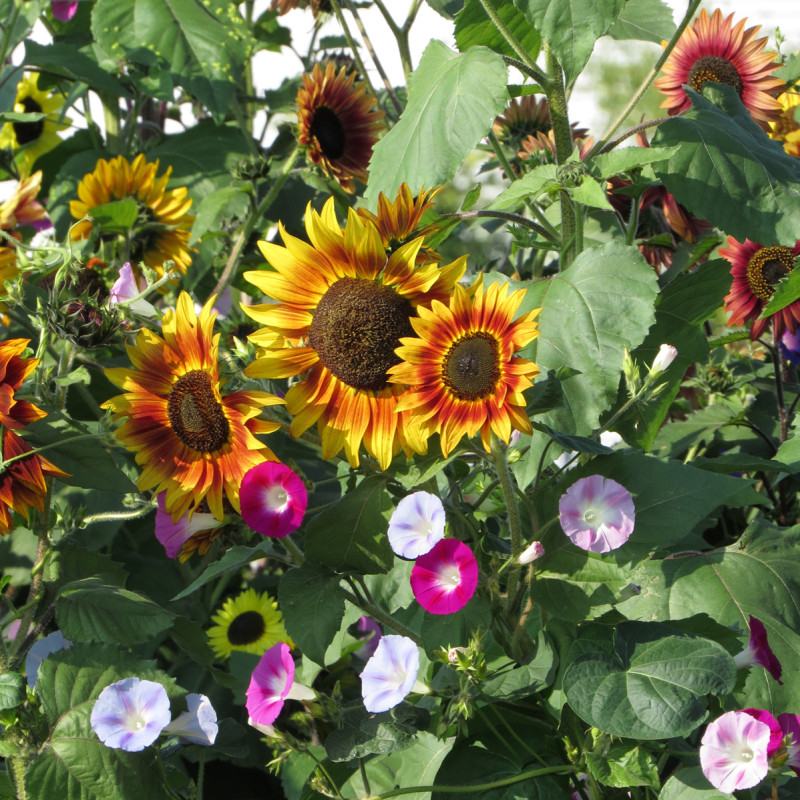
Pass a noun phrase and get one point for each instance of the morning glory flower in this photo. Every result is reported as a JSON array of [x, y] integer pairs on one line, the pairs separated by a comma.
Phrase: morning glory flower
[[665, 356], [51, 643], [64, 10], [197, 725], [130, 714], [390, 674], [271, 684], [597, 514], [173, 535], [273, 499], [790, 725], [444, 580], [733, 751], [759, 652], [416, 525], [532, 552], [370, 632]]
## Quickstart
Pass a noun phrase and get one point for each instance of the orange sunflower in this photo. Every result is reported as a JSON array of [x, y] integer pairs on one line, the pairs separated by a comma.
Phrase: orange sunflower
[[22, 484], [337, 123], [346, 304], [755, 270], [713, 49], [461, 371], [162, 227], [192, 441], [399, 222]]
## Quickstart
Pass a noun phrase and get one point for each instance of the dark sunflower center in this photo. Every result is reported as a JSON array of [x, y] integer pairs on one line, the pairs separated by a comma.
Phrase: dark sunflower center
[[246, 628], [195, 415], [471, 368], [328, 130], [356, 328], [27, 132], [716, 69], [767, 267]]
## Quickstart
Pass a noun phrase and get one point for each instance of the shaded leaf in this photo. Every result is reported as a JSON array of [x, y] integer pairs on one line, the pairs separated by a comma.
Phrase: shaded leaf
[[473, 27], [644, 21], [11, 690], [691, 784]]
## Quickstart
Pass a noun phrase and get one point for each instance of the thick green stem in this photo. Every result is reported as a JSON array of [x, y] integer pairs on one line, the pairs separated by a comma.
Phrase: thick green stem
[[18, 766], [111, 119], [562, 133], [512, 508], [233, 260]]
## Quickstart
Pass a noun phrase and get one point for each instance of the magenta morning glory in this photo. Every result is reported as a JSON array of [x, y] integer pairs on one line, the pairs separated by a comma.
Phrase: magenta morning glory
[[597, 514], [444, 580], [273, 499], [270, 684], [390, 674], [130, 714], [758, 651], [416, 525]]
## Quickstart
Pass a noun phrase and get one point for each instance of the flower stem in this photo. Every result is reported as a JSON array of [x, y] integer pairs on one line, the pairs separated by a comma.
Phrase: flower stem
[[523, 54], [296, 553], [379, 615]]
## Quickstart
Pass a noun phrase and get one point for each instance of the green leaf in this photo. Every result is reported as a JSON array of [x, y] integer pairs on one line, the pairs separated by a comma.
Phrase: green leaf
[[88, 610], [624, 765], [203, 46], [644, 21], [653, 686], [789, 453], [12, 693], [69, 563], [69, 62], [454, 630], [786, 292], [691, 784], [729, 171], [790, 71], [80, 375], [452, 102], [447, 8], [117, 216], [579, 443], [233, 560], [591, 193], [473, 27], [530, 186], [16, 116], [571, 27], [212, 207], [312, 607], [623, 159], [352, 533], [522, 681]]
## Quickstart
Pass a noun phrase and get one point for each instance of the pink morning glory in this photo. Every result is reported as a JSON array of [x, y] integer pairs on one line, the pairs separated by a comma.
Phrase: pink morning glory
[[198, 724], [173, 535], [270, 684], [125, 286], [64, 9], [759, 652], [790, 725], [416, 525], [273, 499], [444, 579], [533, 552], [733, 751], [597, 514], [390, 674], [130, 714], [775, 731]]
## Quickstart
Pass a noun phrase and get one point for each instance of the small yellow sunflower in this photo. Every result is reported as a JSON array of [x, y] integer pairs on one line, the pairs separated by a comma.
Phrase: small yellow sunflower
[[346, 304], [714, 49], [399, 222], [461, 372], [250, 622], [162, 227], [32, 139], [192, 441], [337, 124], [786, 128]]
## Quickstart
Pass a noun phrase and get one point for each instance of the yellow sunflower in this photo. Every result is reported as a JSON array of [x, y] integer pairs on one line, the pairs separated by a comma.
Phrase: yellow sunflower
[[337, 124], [21, 208], [250, 622], [461, 372], [162, 226], [32, 139], [399, 222], [713, 49], [22, 483], [347, 304], [786, 128], [192, 441]]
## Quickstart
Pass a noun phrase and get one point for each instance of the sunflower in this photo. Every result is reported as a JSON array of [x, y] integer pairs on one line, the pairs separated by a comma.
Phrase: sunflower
[[346, 304], [21, 208], [755, 270], [461, 372], [337, 123], [162, 226], [399, 222], [786, 128], [193, 441], [713, 49], [317, 6], [250, 622], [33, 139], [22, 483]]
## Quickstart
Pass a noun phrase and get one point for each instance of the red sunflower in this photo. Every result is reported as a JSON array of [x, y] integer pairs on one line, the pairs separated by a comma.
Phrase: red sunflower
[[713, 49], [756, 269]]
